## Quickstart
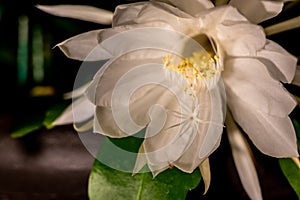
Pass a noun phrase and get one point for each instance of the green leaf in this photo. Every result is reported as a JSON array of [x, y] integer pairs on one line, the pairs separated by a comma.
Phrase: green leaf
[[108, 184], [27, 125], [54, 112], [114, 180], [36, 120], [292, 173]]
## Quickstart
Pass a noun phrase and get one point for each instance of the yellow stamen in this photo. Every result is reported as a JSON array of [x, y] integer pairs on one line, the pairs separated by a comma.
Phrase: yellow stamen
[[194, 69]]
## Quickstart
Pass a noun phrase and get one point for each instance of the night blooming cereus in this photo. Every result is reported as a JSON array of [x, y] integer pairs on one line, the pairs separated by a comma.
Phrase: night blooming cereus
[[167, 62]]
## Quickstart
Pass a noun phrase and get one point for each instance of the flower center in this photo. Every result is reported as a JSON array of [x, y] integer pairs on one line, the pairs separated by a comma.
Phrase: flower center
[[195, 69]]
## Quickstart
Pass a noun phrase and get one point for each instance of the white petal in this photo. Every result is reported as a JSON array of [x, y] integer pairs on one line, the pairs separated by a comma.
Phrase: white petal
[[80, 47], [77, 92], [205, 173], [79, 111], [284, 64], [65, 118], [83, 109], [209, 126], [82, 12], [242, 158], [141, 160], [241, 39], [104, 44], [221, 15], [296, 80], [258, 10], [166, 147], [232, 32], [156, 14], [215, 129], [192, 7], [121, 94], [272, 135], [104, 123], [249, 79]]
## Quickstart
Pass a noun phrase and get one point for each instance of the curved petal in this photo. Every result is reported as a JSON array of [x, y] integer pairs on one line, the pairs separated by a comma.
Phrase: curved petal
[[77, 92], [82, 12], [258, 10], [284, 64], [168, 145], [232, 32], [80, 46], [205, 173], [190, 159], [274, 136], [249, 79], [192, 7], [296, 80], [79, 111], [129, 107], [141, 160], [181, 139], [104, 123], [242, 158], [101, 89], [158, 14], [211, 115], [241, 39], [91, 46]]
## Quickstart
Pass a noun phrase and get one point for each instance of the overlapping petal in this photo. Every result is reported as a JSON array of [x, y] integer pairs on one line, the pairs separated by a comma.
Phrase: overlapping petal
[[232, 33], [272, 135], [243, 160], [258, 10], [192, 7], [132, 91], [79, 111], [267, 107], [80, 46], [296, 80], [248, 79], [158, 14], [279, 62]]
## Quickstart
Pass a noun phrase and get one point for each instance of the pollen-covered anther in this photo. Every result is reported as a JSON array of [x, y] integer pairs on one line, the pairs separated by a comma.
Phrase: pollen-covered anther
[[194, 69]]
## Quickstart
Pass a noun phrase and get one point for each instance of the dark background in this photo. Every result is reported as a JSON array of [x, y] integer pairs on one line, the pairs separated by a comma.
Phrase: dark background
[[53, 164]]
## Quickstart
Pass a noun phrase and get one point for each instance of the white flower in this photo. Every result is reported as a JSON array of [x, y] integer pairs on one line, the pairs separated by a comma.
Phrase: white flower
[[251, 66]]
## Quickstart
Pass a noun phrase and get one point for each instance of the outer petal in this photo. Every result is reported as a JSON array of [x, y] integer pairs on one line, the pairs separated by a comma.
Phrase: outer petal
[[181, 139], [258, 10], [87, 13], [249, 79], [283, 64], [296, 80], [242, 158], [192, 7], [76, 92], [79, 111], [104, 86], [158, 14], [211, 112], [170, 143], [80, 46], [274, 136], [241, 39], [231, 32], [205, 173]]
